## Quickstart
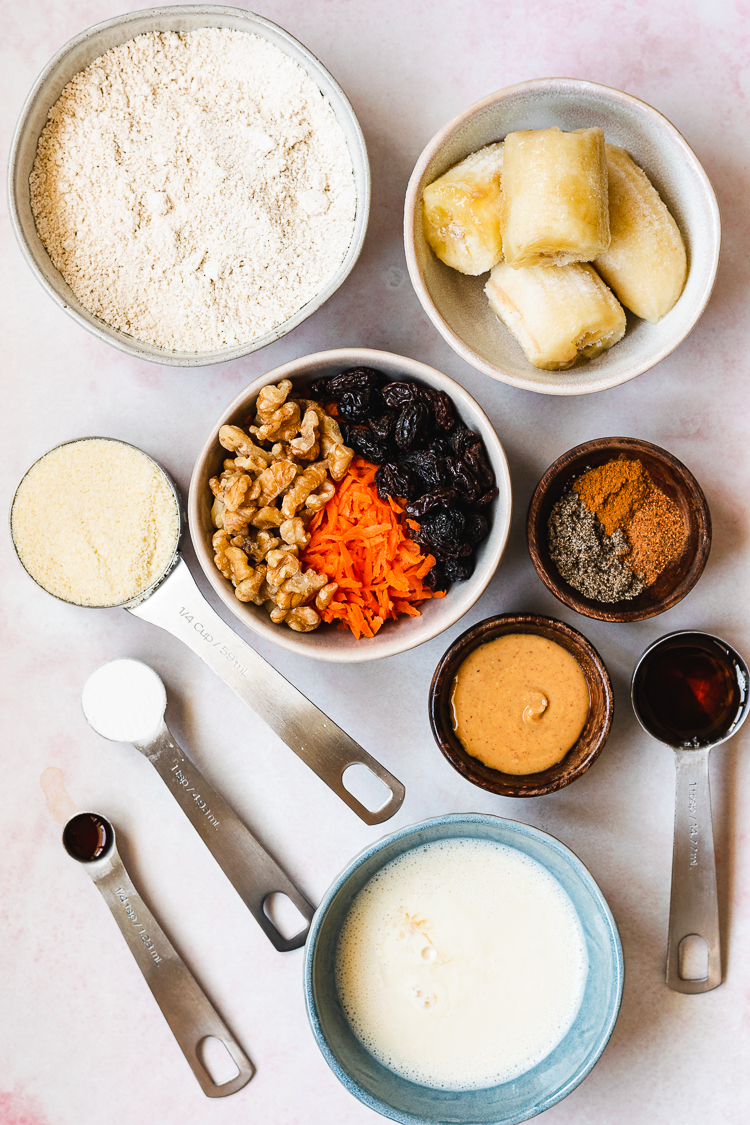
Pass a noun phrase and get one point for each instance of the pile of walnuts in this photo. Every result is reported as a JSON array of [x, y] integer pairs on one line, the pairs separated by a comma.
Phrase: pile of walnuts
[[281, 474]]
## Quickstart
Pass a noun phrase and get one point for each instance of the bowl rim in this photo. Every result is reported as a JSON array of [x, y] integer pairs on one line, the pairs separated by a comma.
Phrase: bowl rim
[[565, 593], [469, 354], [256, 24], [299, 367], [491, 819], [481, 633]]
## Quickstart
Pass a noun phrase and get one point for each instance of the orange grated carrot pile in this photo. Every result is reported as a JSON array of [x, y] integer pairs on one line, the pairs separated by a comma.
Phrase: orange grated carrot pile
[[362, 543]]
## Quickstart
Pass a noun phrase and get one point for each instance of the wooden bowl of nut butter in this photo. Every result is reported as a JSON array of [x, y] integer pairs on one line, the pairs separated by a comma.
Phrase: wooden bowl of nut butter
[[521, 705]]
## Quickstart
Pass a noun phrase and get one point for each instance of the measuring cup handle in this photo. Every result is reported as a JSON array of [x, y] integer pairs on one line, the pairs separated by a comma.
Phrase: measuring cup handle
[[251, 870], [694, 906], [178, 606], [185, 1006]]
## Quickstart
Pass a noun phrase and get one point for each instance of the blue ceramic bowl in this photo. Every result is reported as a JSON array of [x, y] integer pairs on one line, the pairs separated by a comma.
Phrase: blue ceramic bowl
[[510, 1102]]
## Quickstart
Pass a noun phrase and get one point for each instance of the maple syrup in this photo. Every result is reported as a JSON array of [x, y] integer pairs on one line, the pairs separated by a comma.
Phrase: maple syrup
[[87, 836], [690, 689]]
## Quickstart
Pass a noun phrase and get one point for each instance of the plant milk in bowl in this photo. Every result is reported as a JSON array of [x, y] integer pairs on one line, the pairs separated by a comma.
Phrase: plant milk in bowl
[[465, 969], [461, 964]]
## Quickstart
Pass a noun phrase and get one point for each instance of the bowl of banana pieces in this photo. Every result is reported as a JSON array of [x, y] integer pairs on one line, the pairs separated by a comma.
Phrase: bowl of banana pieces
[[562, 236]]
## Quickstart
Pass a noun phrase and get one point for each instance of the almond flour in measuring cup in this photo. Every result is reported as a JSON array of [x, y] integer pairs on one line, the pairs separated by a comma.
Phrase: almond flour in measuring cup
[[194, 189], [95, 522]]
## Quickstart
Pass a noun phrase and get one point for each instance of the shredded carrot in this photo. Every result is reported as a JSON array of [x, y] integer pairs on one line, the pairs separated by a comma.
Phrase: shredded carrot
[[363, 543]]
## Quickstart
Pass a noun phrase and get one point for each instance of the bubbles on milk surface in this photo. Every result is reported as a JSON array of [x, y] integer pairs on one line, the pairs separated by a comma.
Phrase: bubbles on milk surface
[[461, 964]]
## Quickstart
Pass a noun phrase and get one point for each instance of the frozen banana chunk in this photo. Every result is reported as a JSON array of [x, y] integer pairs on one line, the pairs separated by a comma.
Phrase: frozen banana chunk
[[557, 313], [645, 264], [554, 204], [461, 212]]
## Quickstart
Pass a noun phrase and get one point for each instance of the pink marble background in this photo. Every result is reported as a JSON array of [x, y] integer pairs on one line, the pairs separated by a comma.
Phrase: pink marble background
[[80, 1037]]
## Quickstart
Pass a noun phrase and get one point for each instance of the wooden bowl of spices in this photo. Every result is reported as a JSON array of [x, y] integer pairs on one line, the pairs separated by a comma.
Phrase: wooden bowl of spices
[[619, 529], [521, 705]]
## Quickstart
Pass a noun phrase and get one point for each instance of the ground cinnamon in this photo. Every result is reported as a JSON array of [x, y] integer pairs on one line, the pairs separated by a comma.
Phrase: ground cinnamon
[[615, 491], [657, 535]]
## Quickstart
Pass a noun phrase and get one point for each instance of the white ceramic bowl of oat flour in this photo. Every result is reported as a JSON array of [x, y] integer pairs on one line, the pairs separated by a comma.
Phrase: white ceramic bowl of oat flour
[[237, 191]]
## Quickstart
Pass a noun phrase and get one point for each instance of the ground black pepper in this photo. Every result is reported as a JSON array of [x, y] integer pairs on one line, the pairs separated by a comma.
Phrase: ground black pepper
[[591, 561]]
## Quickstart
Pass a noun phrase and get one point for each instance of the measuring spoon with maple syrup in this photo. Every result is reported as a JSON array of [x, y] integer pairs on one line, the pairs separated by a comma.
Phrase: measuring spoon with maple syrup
[[690, 691]]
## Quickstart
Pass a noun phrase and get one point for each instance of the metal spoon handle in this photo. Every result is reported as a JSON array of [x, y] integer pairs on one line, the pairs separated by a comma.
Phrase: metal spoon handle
[[185, 1006], [694, 907], [251, 870], [178, 606]]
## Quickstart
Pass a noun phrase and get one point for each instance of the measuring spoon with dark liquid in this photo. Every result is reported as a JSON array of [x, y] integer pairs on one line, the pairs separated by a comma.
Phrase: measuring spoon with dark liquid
[[90, 838], [690, 691]]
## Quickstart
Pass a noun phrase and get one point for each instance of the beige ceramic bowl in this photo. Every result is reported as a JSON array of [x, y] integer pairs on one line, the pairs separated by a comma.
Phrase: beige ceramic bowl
[[456, 303], [78, 53], [328, 642]]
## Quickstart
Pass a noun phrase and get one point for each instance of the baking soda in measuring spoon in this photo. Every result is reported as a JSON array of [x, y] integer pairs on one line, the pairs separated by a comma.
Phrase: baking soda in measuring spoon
[[124, 701], [462, 964]]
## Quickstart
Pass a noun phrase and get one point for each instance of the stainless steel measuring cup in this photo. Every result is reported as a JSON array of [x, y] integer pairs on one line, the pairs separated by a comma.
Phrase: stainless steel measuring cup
[[124, 701], [693, 910], [90, 839], [174, 602]]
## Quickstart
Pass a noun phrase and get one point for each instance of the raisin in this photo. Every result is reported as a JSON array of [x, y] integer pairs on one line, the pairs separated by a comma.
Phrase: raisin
[[382, 425], [364, 443], [440, 498], [445, 527], [334, 386], [319, 389], [475, 459], [439, 446], [486, 498], [354, 406], [435, 578], [355, 379], [476, 527], [441, 407], [462, 479], [427, 466], [461, 439], [445, 551], [458, 570], [400, 394], [412, 425], [396, 481]]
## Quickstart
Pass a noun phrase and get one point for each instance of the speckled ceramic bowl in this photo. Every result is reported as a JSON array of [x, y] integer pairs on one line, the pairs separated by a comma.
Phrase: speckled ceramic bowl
[[78, 53], [548, 1082], [327, 642], [456, 303]]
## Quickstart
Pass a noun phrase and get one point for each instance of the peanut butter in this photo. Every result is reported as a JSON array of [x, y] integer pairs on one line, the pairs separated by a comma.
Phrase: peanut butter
[[519, 703]]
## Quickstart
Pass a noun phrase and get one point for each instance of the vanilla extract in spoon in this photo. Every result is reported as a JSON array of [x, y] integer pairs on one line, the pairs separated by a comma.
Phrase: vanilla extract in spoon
[[89, 838]]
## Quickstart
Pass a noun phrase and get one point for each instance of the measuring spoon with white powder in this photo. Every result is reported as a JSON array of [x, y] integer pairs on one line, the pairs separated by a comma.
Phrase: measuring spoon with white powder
[[90, 838], [124, 701], [96, 522]]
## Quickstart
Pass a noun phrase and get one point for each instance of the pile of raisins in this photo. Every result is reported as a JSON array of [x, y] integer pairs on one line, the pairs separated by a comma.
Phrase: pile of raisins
[[427, 457]]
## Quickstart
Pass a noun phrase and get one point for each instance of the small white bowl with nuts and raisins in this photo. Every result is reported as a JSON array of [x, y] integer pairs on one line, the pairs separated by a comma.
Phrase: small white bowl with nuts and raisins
[[255, 491]]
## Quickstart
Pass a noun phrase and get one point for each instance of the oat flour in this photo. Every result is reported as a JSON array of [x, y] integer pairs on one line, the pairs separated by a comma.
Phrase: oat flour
[[194, 189]]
